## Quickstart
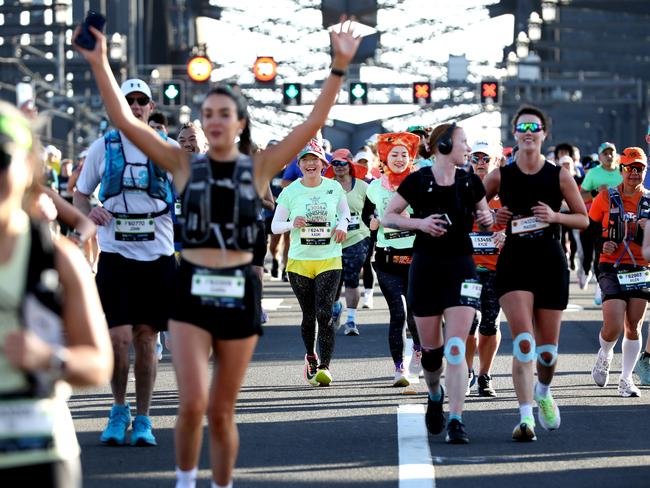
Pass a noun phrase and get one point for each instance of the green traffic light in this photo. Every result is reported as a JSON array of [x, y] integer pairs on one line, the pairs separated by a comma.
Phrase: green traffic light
[[358, 91], [292, 91], [171, 92]]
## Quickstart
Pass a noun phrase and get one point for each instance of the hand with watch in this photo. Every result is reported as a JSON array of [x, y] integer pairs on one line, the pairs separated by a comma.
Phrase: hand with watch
[[25, 350]]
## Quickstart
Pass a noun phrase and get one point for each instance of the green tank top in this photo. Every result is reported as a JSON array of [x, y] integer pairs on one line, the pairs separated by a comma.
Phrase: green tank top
[[357, 230], [387, 237]]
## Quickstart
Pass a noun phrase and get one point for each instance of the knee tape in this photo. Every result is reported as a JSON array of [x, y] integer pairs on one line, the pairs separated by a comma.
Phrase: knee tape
[[550, 349], [455, 358], [432, 359], [516, 347]]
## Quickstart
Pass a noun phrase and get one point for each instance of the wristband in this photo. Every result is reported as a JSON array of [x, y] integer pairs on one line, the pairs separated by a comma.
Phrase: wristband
[[337, 72]]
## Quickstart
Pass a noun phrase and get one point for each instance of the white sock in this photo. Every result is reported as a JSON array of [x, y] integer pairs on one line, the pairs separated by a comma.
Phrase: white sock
[[352, 314], [525, 410], [607, 347], [367, 293], [541, 389], [631, 349], [214, 485], [186, 479]]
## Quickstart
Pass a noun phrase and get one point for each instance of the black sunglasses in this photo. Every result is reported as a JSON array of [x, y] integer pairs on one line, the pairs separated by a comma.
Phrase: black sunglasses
[[339, 163], [142, 101]]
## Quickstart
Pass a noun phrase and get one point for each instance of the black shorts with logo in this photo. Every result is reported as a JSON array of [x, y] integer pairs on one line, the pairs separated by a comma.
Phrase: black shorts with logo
[[136, 292], [223, 317]]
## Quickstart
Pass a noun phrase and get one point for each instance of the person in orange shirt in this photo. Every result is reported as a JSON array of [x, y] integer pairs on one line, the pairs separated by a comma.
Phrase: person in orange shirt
[[485, 158], [624, 272]]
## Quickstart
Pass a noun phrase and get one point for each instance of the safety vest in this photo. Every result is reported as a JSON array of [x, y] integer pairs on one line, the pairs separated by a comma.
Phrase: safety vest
[[112, 183], [618, 216], [196, 217]]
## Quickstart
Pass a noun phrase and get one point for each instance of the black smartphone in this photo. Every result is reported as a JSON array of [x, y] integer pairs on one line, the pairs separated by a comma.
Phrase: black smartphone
[[86, 39]]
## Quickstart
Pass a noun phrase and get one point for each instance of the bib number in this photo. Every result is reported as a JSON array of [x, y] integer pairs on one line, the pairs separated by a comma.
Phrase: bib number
[[396, 234], [527, 226], [354, 222], [127, 229], [26, 424], [470, 293], [634, 280], [219, 290], [484, 243], [316, 234]]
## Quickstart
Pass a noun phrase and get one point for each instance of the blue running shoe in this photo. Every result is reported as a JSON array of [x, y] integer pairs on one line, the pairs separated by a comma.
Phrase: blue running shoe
[[142, 435], [118, 422], [337, 309]]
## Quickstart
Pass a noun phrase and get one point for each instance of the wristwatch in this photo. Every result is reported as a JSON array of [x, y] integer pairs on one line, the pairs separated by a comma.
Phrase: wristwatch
[[58, 360]]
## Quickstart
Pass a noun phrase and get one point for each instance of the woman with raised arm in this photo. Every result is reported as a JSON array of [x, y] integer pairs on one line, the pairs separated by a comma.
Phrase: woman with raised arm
[[218, 294], [532, 278]]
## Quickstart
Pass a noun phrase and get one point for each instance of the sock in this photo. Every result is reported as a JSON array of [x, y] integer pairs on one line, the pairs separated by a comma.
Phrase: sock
[[186, 479], [418, 347], [367, 293], [607, 347], [455, 416], [437, 396], [214, 485], [399, 366], [525, 410], [432, 379], [352, 314], [631, 349], [541, 389]]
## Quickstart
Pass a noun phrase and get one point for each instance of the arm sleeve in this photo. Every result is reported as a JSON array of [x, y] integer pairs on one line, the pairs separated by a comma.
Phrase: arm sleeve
[[280, 224], [343, 211], [368, 211]]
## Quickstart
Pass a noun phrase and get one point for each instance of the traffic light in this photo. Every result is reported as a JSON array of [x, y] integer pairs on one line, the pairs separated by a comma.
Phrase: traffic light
[[358, 93], [172, 93], [199, 69], [421, 92], [265, 69], [489, 91], [292, 93]]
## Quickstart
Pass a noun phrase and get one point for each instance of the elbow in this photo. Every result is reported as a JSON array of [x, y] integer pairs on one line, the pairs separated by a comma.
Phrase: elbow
[[584, 222]]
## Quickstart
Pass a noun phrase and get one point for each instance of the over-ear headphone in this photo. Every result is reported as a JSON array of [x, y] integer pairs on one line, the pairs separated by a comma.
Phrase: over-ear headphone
[[445, 144]]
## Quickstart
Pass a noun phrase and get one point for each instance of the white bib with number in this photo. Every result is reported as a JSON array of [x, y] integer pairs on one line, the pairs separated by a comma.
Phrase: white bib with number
[[471, 290], [27, 418], [315, 232], [210, 285], [134, 226], [484, 242], [634, 279], [527, 224]]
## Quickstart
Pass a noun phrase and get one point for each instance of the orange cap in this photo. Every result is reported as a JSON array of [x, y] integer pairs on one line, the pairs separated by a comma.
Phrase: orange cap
[[633, 155]]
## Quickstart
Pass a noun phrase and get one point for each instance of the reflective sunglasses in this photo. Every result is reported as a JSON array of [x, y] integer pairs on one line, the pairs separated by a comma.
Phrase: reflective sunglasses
[[476, 159], [637, 168], [529, 127], [142, 101], [339, 163]]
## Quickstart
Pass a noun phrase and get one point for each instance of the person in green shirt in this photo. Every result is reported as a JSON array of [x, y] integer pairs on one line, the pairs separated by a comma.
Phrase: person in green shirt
[[315, 210]]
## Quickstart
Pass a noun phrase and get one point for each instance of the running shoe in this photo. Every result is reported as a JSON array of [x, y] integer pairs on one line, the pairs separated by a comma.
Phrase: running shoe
[[415, 364], [456, 433], [400, 378], [626, 388], [159, 347], [285, 276], [600, 371], [323, 376], [525, 430], [485, 388], [368, 300], [471, 380], [142, 435], [118, 423], [264, 317], [311, 368], [435, 418], [337, 309], [351, 329], [642, 369], [548, 413], [275, 267], [598, 296]]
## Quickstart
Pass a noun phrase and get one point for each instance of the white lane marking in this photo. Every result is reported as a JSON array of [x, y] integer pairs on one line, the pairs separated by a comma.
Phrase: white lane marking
[[415, 466], [573, 307], [271, 304]]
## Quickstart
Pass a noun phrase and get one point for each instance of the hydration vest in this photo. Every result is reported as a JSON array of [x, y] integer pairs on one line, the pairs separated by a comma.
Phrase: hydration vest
[[196, 217], [465, 197], [618, 217], [112, 183]]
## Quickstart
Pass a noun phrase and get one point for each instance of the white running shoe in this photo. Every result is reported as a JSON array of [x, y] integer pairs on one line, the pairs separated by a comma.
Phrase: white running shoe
[[415, 364], [600, 371], [400, 378], [368, 299], [598, 296], [626, 388]]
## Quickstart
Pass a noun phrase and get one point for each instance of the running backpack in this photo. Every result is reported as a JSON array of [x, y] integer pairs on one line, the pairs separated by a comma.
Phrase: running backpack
[[618, 217]]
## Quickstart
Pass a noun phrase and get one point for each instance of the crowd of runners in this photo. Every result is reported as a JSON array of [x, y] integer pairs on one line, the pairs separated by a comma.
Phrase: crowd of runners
[[457, 233]]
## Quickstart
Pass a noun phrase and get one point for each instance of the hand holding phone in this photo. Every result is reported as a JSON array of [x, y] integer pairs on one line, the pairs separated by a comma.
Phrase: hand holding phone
[[86, 39]]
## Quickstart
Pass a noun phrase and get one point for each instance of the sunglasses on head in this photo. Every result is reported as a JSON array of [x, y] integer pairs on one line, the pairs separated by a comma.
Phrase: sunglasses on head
[[142, 101], [477, 159], [339, 163], [628, 168], [529, 127]]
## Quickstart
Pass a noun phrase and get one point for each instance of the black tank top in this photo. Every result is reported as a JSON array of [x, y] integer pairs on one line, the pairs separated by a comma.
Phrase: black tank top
[[520, 192]]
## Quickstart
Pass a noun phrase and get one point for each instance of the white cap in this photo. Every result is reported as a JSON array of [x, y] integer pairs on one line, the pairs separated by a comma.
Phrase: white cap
[[483, 147], [135, 85], [566, 159], [363, 155]]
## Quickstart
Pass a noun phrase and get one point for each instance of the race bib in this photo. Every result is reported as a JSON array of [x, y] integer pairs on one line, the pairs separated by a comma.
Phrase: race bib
[[527, 225], [470, 293], [634, 280], [129, 229], [396, 234], [27, 418], [316, 234], [484, 243], [219, 290], [355, 222]]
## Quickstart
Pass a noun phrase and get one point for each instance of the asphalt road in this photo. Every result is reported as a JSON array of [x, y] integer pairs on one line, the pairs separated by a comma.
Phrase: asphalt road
[[294, 435]]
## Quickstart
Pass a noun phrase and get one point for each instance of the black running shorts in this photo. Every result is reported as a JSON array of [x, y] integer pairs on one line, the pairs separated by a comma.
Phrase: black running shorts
[[610, 287]]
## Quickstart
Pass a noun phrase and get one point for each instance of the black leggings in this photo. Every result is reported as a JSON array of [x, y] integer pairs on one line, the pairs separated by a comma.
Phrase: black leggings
[[316, 298], [368, 278], [394, 286]]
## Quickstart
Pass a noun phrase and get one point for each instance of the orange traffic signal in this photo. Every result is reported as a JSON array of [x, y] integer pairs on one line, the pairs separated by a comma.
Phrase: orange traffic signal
[[199, 69], [265, 69], [422, 92], [489, 91]]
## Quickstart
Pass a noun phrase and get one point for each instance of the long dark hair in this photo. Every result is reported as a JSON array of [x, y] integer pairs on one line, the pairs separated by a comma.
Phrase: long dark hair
[[245, 142]]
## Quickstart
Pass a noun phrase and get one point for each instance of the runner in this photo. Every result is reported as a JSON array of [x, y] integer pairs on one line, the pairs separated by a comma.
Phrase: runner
[[52, 332], [394, 250], [624, 277], [532, 278], [484, 159], [364, 159], [442, 279], [216, 301], [315, 210]]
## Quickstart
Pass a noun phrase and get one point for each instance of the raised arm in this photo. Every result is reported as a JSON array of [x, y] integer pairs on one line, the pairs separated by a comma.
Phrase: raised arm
[[272, 159]]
